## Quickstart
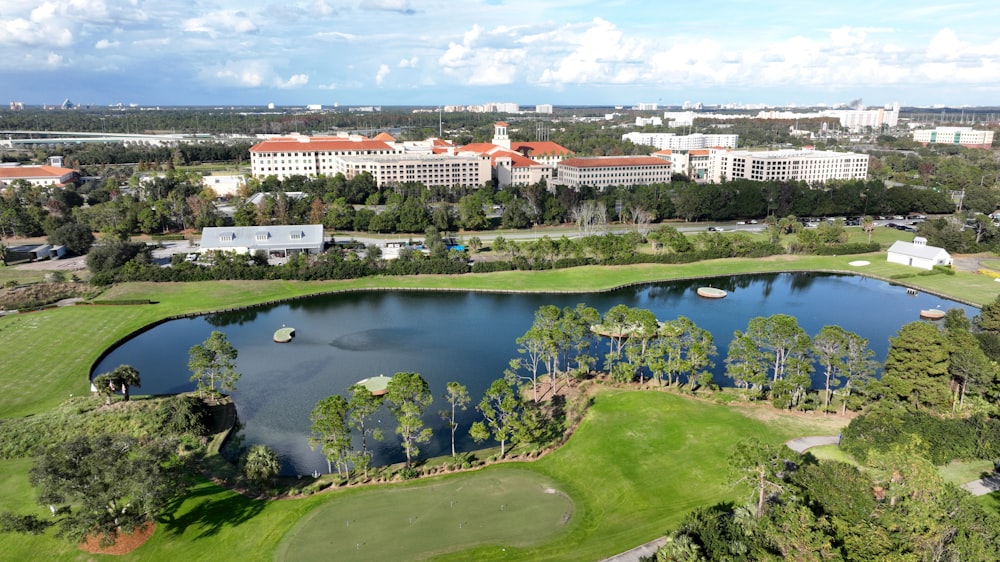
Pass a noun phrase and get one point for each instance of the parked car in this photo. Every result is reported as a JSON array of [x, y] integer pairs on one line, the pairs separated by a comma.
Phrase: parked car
[[713, 229]]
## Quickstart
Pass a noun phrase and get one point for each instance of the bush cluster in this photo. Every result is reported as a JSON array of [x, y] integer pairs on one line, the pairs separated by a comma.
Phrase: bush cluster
[[945, 439]]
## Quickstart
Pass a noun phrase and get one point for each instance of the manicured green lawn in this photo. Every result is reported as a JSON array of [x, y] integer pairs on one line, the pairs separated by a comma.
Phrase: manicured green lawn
[[832, 453], [502, 505], [960, 472]]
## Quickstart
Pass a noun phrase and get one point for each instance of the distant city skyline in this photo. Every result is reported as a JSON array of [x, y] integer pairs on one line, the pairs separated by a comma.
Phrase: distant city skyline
[[560, 52]]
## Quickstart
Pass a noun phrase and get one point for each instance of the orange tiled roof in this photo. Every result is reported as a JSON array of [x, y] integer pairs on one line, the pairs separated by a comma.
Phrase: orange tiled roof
[[312, 144], [517, 160], [539, 148], [502, 124], [16, 172], [665, 152], [479, 148], [614, 161], [384, 136], [700, 152]]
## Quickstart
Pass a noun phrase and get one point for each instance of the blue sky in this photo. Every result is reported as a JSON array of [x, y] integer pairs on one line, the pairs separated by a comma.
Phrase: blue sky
[[563, 52]]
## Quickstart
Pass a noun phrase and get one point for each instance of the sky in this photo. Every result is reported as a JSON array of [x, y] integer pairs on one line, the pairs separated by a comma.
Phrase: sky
[[456, 52]]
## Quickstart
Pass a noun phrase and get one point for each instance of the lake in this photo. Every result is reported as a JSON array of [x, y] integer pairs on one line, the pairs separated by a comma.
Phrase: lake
[[466, 337]]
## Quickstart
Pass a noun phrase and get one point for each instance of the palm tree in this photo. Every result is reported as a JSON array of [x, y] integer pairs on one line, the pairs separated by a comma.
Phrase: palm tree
[[260, 464], [868, 225], [125, 376]]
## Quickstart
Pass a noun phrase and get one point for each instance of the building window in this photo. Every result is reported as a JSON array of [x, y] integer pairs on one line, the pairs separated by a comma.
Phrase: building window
[[295, 235], [261, 236], [227, 237]]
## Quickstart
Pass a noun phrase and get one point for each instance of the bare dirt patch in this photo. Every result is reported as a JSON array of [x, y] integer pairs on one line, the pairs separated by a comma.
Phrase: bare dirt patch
[[123, 543]]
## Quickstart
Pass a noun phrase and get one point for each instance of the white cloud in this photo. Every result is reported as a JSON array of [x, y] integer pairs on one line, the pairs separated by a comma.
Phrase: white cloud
[[295, 81], [477, 62], [42, 27], [946, 46], [409, 63], [401, 6], [600, 54], [106, 44], [847, 36], [221, 22], [54, 59], [241, 74], [383, 71]]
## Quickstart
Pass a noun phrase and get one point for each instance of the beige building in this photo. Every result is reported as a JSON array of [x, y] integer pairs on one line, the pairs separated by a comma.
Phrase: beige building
[[429, 169], [605, 171], [37, 175]]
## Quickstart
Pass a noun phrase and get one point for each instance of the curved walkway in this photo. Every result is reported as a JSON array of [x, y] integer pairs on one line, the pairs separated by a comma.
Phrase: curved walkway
[[983, 486], [802, 444]]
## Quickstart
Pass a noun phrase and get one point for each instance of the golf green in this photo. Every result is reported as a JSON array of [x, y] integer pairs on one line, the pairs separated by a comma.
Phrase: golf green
[[503, 506]]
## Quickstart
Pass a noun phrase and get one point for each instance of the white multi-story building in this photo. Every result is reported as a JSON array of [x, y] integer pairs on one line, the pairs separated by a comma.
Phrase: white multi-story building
[[671, 141], [964, 136], [811, 166], [444, 170], [643, 121], [518, 163], [606, 171], [299, 155], [696, 164], [544, 108]]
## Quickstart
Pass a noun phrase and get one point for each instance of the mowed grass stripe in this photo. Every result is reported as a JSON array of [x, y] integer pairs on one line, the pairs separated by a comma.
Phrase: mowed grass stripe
[[504, 506]]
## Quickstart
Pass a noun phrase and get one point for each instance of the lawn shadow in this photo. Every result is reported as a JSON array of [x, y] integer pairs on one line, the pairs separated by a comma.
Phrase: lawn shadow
[[211, 514]]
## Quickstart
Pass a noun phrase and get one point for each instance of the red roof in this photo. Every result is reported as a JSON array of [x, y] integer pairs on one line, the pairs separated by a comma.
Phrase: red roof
[[16, 172], [700, 152], [540, 148], [516, 159], [617, 161], [666, 152], [384, 136], [314, 144], [502, 124], [479, 148]]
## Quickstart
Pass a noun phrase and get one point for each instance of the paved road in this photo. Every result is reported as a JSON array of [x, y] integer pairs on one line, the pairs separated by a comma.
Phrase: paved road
[[638, 553]]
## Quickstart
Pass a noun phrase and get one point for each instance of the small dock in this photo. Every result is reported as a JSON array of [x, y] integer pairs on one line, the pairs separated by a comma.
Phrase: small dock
[[284, 335]]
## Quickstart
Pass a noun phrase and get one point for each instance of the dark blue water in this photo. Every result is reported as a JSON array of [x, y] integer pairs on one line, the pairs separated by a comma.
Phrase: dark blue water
[[466, 337]]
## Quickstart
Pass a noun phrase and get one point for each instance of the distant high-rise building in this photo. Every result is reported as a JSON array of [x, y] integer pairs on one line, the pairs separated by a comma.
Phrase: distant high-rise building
[[544, 108]]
